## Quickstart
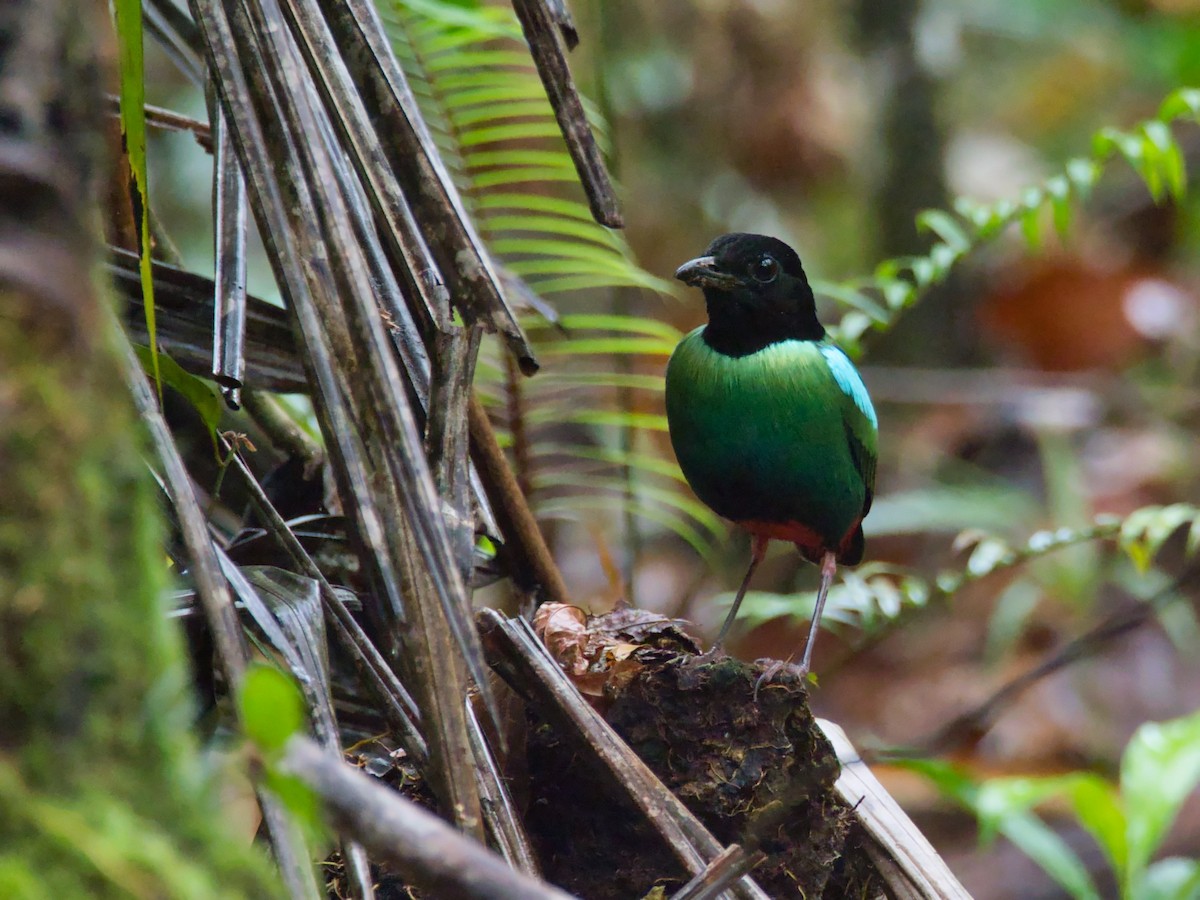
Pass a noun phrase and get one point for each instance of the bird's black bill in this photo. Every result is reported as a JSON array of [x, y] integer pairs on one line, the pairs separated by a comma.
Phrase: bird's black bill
[[702, 272]]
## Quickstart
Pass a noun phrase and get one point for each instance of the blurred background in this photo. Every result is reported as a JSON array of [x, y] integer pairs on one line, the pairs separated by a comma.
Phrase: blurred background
[[1043, 385], [1035, 389]]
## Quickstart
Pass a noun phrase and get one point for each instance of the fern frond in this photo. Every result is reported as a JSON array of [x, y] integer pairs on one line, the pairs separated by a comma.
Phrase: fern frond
[[491, 120], [489, 115], [569, 508], [878, 593], [897, 284], [593, 416]]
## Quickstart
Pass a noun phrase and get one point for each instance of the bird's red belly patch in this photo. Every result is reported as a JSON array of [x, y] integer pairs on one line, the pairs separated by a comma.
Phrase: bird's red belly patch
[[806, 540], [812, 545]]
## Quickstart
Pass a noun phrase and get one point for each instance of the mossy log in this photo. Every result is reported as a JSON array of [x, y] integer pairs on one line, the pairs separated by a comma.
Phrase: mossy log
[[102, 791]]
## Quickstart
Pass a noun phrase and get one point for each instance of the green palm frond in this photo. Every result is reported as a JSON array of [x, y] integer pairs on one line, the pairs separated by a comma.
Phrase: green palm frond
[[592, 420], [497, 134], [595, 428]]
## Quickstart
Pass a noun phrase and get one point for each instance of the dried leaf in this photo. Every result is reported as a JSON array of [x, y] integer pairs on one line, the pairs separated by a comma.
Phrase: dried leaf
[[563, 629]]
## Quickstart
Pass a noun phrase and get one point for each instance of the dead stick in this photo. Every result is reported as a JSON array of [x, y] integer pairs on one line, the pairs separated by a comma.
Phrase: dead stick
[[732, 864], [426, 850], [522, 537]]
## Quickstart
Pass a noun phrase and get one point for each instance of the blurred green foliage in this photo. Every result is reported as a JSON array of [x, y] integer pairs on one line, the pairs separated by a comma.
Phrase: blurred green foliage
[[1128, 821]]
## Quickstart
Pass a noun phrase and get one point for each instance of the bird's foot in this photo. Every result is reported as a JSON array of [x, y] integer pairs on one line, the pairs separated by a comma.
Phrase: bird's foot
[[774, 668], [713, 653]]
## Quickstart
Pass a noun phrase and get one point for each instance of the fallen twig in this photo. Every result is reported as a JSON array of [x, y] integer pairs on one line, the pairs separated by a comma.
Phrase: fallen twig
[[425, 850]]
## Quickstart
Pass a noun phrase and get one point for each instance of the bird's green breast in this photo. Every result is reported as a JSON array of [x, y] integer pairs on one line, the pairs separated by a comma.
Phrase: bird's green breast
[[773, 436]]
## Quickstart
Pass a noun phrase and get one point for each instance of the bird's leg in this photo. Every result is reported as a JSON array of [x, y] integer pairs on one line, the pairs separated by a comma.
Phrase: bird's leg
[[757, 551], [828, 570]]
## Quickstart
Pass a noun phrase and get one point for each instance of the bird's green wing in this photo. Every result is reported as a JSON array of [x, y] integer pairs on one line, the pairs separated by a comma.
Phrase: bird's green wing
[[858, 417], [864, 462]]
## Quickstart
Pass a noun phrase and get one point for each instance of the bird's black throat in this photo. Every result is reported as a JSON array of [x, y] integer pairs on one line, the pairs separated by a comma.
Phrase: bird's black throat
[[739, 329], [756, 292]]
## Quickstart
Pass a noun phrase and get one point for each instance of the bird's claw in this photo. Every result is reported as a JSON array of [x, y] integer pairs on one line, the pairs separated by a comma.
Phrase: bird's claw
[[773, 667], [715, 652]]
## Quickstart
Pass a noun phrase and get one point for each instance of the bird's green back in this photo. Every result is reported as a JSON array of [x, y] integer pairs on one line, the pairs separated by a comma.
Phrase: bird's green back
[[784, 434]]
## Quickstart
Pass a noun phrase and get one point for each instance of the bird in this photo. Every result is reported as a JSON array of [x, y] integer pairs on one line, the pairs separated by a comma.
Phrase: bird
[[770, 421]]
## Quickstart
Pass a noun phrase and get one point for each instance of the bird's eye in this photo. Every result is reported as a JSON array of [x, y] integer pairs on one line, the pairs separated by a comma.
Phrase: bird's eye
[[765, 269]]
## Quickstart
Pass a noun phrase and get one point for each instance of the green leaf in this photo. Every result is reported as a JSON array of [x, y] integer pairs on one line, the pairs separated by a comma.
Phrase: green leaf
[[466, 117], [850, 296], [302, 802], [1105, 142], [479, 59], [569, 508], [551, 266], [608, 346], [1184, 102], [1031, 227], [1139, 556], [565, 283], [1004, 807], [896, 292], [890, 268], [512, 176], [641, 462], [865, 597], [848, 331], [1058, 189], [536, 203], [989, 555], [1145, 530], [1099, 809], [685, 503], [596, 256], [1166, 156], [494, 134], [1150, 148], [498, 95], [949, 778], [609, 379], [271, 707], [995, 218], [945, 227], [1083, 174], [1001, 798], [948, 509], [556, 225], [941, 258], [1039, 842], [1169, 879], [1160, 768], [629, 324], [487, 110], [925, 271], [133, 133], [468, 18], [1012, 609], [202, 395], [609, 417]]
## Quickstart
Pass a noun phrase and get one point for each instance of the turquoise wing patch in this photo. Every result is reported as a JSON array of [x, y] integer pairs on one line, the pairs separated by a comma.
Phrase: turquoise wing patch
[[850, 381]]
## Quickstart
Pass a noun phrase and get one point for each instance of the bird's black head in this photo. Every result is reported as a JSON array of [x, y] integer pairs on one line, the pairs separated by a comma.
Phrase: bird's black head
[[756, 294]]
